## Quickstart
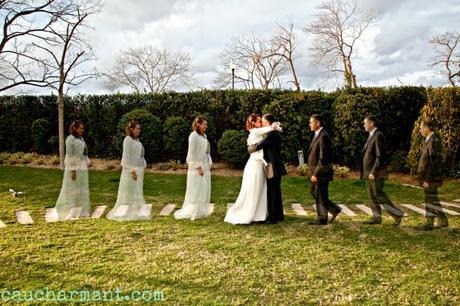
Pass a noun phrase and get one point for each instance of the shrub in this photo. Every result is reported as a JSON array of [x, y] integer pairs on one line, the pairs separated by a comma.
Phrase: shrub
[[398, 162], [232, 147], [151, 133], [341, 171], [303, 169], [176, 132]]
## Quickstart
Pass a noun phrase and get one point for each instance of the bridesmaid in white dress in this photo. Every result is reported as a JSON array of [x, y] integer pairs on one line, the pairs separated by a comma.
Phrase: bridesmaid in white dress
[[130, 203], [251, 204], [73, 200], [198, 192]]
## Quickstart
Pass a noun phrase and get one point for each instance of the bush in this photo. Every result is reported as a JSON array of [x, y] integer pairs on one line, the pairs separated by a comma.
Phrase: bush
[[151, 133], [40, 135], [398, 162], [443, 109], [341, 171], [232, 147], [303, 169], [176, 132]]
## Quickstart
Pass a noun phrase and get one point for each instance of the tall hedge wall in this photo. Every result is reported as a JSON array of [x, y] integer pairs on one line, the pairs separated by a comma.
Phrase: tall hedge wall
[[344, 111]]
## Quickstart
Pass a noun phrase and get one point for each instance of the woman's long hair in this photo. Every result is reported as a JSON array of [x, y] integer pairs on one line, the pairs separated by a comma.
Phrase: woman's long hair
[[251, 121], [130, 127], [196, 121]]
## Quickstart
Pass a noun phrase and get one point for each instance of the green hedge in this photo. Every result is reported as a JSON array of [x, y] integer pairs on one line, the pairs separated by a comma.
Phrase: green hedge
[[343, 111]]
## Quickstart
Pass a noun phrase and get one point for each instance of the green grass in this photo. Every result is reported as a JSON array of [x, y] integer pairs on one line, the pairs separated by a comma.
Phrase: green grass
[[210, 262]]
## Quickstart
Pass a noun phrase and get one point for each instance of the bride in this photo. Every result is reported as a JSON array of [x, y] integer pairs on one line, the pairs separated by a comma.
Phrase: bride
[[251, 204]]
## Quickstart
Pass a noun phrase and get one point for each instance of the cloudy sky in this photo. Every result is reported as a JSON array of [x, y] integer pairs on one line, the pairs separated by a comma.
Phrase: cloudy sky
[[392, 52]]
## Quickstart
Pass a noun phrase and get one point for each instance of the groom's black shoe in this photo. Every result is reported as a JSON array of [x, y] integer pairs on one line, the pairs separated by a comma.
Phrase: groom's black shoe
[[317, 222], [271, 221], [261, 222]]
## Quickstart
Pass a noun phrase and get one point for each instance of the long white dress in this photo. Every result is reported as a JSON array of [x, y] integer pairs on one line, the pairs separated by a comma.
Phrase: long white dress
[[130, 203], [198, 192], [73, 200], [251, 204]]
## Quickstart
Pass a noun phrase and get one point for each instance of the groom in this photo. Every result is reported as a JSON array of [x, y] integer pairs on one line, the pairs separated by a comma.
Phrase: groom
[[272, 155]]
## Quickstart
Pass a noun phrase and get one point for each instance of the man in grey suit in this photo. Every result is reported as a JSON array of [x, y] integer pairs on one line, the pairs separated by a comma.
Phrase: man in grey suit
[[374, 171], [430, 175], [320, 172]]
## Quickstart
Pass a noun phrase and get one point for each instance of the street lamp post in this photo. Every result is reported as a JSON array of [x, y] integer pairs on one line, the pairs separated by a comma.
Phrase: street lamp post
[[232, 67]]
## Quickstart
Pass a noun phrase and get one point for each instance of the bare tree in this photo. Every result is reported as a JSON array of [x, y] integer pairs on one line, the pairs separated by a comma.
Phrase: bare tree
[[285, 43], [447, 49], [259, 62], [67, 51], [337, 27], [22, 23], [148, 69]]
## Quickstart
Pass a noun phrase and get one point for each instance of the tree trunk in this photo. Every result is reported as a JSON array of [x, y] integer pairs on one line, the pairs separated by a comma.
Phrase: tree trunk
[[294, 75], [61, 115], [61, 128]]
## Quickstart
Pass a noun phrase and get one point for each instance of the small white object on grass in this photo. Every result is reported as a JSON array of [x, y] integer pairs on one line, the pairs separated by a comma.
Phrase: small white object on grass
[[169, 208], [15, 193], [23, 217], [98, 212], [298, 209], [51, 215]]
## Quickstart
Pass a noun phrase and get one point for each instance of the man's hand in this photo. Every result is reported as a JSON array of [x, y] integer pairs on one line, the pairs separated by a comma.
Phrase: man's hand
[[134, 175], [74, 175], [371, 177], [252, 149], [200, 171], [314, 179], [426, 185]]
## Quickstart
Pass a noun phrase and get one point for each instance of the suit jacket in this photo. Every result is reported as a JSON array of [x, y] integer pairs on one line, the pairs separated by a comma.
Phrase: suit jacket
[[430, 163], [272, 152], [374, 157], [319, 157]]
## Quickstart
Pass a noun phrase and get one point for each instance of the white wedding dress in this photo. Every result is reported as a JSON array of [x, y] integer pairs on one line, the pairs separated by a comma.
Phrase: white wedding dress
[[251, 204]]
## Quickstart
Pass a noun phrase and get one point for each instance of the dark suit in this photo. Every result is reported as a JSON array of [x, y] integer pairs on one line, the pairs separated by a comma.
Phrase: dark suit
[[272, 154], [374, 162], [430, 170], [320, 165]]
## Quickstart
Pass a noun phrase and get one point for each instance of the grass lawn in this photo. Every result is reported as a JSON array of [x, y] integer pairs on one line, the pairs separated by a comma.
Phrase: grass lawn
[[210, 262]]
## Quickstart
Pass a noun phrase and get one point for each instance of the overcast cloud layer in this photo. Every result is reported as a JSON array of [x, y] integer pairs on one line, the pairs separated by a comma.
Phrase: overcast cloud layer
[[393, 52]]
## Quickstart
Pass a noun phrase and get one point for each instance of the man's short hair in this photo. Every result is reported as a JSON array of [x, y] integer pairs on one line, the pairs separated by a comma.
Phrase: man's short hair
[[372, 118], [318, 118], [269, 117]]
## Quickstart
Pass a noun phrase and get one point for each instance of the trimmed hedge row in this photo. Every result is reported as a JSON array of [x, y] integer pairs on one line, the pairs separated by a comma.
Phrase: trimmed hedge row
[[343, 111]]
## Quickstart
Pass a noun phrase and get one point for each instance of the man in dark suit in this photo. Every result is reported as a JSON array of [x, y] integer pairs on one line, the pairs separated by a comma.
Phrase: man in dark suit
[[272, 155], [374, 171], [430, 175], [320, 172]]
